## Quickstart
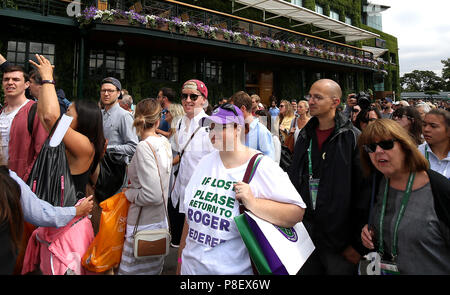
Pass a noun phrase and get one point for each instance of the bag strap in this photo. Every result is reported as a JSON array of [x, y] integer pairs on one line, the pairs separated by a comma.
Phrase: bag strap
[[249, 173], [30, 119], [181, 155], [189, 141], [162, 190]]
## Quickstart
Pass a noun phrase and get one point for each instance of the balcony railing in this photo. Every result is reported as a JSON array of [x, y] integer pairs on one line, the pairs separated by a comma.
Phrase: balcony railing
[[204, 23], [43, 7]]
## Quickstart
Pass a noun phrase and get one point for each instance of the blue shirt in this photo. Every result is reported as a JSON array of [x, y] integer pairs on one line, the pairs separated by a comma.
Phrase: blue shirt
[[260, 138], [274, 111], [440, 166], [118, 130], [163, 124]]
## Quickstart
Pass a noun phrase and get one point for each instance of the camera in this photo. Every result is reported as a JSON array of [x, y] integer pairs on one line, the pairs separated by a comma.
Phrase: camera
[[362, 99]]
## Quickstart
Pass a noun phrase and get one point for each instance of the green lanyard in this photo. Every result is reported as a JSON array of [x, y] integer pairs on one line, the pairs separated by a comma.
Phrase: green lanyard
[[399, 217], [427, 156], [309, 160]]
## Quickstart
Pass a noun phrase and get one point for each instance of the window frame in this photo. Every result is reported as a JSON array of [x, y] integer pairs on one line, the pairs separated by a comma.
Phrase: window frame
[[167, 71], [28, 53], [101, 58]]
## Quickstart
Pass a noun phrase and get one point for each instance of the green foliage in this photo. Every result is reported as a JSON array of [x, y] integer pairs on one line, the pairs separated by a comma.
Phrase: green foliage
[[420, 81], [446, 73]]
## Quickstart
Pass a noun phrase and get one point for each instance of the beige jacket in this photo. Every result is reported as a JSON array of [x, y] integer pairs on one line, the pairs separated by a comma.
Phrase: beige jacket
[[145, 188]]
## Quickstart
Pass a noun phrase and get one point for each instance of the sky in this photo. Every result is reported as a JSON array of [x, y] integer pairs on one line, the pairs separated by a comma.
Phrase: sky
[[422, 29]]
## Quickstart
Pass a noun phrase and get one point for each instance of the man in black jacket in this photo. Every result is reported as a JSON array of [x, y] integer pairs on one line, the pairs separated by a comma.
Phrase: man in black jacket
[[326, 172]]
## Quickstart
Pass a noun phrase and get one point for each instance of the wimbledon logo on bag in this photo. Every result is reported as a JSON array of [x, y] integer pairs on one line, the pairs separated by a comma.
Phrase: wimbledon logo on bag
[[288, 233]]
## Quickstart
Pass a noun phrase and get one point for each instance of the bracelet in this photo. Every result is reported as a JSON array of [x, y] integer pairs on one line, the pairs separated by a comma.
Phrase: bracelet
[[179, 259], [48, 81]]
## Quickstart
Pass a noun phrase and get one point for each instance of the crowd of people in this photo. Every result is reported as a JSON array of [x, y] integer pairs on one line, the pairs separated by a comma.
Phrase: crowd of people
[[362, 177]]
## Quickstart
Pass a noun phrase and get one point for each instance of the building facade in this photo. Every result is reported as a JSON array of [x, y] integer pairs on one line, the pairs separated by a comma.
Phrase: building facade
[[274, 48]]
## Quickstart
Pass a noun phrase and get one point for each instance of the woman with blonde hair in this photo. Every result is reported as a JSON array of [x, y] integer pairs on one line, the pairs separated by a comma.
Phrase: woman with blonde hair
[[286, 116], [409, 223], [301, 120], [148, 208]]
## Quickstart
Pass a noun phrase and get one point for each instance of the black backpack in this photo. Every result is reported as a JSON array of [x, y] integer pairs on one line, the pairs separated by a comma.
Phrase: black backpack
[[50, 177]]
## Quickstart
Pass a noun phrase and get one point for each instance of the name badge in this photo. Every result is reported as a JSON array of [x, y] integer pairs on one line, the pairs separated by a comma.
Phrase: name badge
[[313, 189], [388, 268]]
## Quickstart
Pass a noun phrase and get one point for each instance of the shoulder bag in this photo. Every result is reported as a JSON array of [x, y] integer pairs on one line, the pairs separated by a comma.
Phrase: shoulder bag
[[154, 242]]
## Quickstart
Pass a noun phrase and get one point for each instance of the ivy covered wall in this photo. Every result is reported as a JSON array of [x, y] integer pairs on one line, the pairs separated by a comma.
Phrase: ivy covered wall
[[392, 80]]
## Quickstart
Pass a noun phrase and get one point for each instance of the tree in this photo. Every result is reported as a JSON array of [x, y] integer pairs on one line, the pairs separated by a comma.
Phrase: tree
[[446, 73], [420, 81]]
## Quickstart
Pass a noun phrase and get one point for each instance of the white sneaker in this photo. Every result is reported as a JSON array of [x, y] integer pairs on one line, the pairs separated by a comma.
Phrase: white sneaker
[[174, 246]]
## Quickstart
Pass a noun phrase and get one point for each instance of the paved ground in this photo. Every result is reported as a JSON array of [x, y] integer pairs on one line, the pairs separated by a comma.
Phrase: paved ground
[[170, 263]]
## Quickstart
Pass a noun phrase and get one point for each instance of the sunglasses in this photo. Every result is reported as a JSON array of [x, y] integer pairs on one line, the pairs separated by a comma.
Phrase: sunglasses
[[193, 97], [229, 107], [384, 144]]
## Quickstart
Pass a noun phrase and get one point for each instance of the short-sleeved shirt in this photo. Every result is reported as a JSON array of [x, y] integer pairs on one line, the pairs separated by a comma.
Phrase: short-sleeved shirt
[[213, 243]]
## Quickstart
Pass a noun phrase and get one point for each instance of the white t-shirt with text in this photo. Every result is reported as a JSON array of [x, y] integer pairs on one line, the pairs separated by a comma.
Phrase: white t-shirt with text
[[213, 243]]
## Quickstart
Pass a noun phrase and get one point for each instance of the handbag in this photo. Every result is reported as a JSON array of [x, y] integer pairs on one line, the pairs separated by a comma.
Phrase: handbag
[[50, 177], [153, 242], [105, 251], [289, 142], [272, 249], [110, 178]]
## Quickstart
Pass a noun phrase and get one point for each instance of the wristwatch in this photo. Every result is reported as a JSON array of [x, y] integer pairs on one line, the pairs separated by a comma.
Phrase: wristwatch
[[48, 81]]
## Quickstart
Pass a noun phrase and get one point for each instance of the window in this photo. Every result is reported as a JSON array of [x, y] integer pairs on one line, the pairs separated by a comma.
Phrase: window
[[106, 63], [165, 68], [348, 20], [297, 2], [19, 52], [319, 9], [334, 15], [212, 70]]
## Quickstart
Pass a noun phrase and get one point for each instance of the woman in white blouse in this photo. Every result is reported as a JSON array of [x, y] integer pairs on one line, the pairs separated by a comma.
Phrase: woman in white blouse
[[144, 189]]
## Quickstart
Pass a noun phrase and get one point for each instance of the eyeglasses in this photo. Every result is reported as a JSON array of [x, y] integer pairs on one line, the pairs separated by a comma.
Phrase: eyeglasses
[[314, 97], [107, 90], [229, 107], [193, 97], [355, 110], [282, 105], [384, 144]]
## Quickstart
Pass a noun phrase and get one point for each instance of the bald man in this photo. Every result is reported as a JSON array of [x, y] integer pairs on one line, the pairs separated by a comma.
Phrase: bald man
[[337, 206]]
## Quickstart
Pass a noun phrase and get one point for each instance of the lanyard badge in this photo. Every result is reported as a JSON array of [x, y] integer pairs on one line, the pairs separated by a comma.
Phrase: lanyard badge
[[313, 182], [389, 267]]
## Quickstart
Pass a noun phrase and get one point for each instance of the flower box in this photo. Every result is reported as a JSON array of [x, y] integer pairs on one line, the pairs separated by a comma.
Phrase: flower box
[[120, 22], [220, 36], [163, 26]]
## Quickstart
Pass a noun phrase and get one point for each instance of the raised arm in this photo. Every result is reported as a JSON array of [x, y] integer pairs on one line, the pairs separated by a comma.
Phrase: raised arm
[[48, 106], [48, 111]]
